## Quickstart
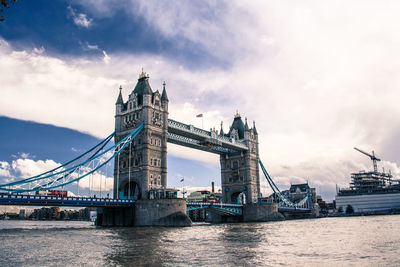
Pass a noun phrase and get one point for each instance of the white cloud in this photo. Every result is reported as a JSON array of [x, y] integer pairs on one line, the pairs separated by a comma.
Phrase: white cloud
[[24, 167], [38, 50], [96, 182], [4, 169], [24, 155], [80, 19], [57, 86], [92, 47], [106, 58]]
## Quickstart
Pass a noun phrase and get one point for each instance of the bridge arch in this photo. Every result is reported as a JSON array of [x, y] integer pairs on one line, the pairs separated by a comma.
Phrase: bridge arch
[[131, 191], [238, 197], [235, 197]]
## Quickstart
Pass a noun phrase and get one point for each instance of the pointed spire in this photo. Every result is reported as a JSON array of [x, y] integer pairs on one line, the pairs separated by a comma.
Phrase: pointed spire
[[221, 132], [254, 127], [237, 115], [143, 74], [119, 99], [164, 93], [246, 126]]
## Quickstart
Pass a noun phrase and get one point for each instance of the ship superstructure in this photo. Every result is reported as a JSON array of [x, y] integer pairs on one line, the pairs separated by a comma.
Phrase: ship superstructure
[[370, 191]]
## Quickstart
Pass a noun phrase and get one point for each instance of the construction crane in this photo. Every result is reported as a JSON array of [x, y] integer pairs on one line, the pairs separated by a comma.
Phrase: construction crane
[[372, 157]]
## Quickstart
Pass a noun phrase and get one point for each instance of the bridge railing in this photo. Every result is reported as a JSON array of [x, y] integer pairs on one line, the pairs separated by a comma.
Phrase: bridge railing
[[204, 133], [230, 209], [213, 204], [61, 200], [197, 144], [189, 128]]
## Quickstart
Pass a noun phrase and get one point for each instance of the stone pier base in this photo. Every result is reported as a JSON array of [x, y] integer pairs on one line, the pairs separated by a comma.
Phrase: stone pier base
[[261, 213], [110, 217], [161, 212], [155, 212], [219, 218]]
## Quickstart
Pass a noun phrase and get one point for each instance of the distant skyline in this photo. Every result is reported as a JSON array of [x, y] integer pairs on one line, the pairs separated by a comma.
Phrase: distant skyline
[[318, 78]]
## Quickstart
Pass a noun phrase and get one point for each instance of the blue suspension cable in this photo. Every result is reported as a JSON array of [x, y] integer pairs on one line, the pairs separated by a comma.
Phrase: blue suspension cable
[[40, 176], [131, 135], [276, 190]]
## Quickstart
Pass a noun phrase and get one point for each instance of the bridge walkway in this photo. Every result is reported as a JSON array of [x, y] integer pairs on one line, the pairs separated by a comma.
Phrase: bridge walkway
[[37, 200], [227, 209]]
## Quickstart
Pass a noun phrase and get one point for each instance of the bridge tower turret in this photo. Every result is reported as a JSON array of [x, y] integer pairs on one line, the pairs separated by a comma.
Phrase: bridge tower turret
[[143, 165], [240, 170]]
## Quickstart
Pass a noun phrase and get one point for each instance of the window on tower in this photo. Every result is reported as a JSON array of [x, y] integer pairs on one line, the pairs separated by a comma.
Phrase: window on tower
[[235, 164]]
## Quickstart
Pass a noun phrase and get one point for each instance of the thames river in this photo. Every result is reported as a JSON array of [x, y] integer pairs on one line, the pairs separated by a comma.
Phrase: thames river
[[351, 241]]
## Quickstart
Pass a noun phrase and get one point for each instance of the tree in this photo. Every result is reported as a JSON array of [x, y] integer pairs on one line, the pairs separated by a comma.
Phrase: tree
[[3, 5], [340, 209], [349, 209]]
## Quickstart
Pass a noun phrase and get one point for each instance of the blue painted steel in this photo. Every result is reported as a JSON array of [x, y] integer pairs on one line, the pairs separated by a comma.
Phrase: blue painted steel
[[273, 185], [40, 176], [293, 209], [197, 144], [124, 141], [286, 203], [229, 209], [36, 200], [191, 136], [90, 158]]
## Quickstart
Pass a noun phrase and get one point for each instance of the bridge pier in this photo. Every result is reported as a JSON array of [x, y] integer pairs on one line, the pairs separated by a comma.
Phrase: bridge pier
[[161, 212], [219, 218], [261, 213], [146, 212], [111, 216]]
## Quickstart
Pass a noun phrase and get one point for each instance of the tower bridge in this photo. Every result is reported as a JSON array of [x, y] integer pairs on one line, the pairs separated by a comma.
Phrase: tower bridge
[[142, 130], [143, 167]]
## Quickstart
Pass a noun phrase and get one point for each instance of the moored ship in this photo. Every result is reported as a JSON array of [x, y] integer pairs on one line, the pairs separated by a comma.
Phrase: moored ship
[[370, 192]]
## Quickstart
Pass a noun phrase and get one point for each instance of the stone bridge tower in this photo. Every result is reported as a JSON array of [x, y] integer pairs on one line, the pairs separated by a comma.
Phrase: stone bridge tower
[[240, 170], [143, 164]]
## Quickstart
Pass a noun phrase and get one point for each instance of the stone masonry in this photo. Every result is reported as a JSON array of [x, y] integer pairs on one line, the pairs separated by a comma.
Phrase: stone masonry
[[143, 164], [240, 171]]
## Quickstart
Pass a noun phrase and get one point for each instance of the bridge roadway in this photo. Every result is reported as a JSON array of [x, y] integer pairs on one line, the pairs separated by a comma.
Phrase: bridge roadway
[[227, 209], [187, 135], [293, 209], [37, 200]]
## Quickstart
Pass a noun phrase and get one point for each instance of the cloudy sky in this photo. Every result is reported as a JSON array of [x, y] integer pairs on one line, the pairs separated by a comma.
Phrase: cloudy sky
[[318, 77]]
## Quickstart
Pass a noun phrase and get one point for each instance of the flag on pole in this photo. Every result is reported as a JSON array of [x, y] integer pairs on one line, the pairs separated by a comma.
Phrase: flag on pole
[[199, 115]]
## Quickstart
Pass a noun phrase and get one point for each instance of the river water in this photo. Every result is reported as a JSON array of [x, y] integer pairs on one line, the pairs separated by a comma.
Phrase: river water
[[350, 241]]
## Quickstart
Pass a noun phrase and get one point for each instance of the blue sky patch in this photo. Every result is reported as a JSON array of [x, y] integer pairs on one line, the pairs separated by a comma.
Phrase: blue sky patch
[[57, 26]]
